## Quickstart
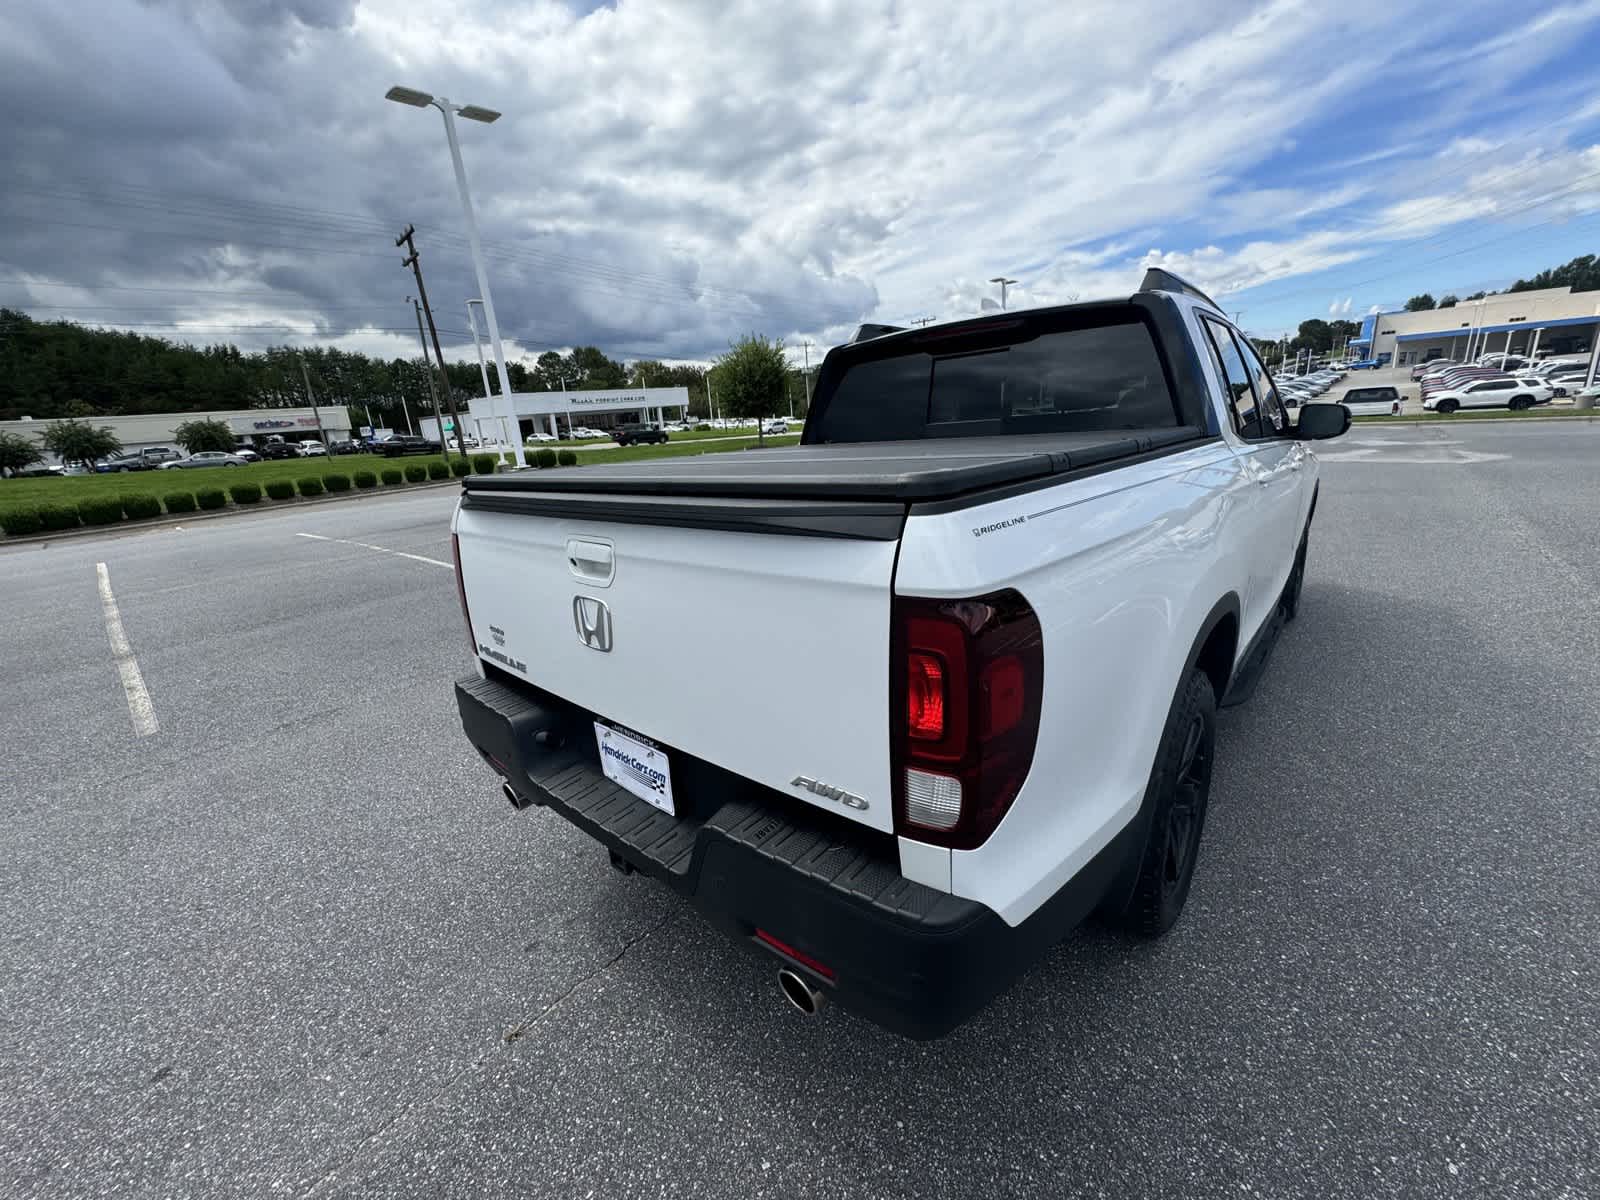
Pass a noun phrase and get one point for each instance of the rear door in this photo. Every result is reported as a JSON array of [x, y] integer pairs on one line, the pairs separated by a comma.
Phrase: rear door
[[765, 654], [1489, 393], [1262, 506]]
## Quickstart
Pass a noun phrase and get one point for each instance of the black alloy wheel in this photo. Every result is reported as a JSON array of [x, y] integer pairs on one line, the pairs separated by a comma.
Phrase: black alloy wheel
[[1186, 814]]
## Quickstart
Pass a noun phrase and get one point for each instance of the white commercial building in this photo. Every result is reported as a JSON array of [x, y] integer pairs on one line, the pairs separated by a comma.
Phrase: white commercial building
[[604, 409], [1553, 320], [248, 424]]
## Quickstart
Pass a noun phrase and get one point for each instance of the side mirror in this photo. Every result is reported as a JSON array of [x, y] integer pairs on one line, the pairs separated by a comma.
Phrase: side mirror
[[1318, 421]]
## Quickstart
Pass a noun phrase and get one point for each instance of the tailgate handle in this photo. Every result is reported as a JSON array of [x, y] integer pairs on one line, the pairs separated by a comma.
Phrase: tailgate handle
[[592, 561]]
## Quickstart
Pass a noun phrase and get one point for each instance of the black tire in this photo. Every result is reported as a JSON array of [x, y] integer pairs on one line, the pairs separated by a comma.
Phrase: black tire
[[1518, 403], [1180, 786], [1289, 602], [1447, 407]]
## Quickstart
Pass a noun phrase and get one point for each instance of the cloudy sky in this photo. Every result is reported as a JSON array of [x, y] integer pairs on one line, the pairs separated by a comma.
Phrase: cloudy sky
[[670, 174]]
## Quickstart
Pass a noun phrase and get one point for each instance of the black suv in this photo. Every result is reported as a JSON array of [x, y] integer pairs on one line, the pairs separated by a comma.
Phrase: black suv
[[639, 435], [280, 450]]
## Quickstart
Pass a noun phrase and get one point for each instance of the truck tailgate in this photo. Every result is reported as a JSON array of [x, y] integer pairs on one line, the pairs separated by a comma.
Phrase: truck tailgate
[[766, 654]]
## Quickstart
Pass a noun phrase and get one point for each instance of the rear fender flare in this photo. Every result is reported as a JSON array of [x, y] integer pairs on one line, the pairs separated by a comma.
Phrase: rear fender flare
[[1122, 884]]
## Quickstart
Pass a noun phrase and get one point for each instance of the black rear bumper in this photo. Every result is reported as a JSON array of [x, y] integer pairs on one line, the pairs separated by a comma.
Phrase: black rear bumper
[[914, 960]]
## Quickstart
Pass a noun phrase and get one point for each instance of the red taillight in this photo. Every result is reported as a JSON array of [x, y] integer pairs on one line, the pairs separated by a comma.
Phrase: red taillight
[[967, 684], [925, 696], [461, 592], [799, 956]]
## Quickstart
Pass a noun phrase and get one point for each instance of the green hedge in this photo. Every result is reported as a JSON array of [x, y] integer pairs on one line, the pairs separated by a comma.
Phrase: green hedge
[[567, 458], [20, 522], [281, 489], [392, 476], [460, 467], [211, 498], [180, 502], [311, 485], [366, 479], [438, 469], [483, 464], [544, 458], [416, 472], [245, 493], [336, 482], [58, 516], [140, 506], [106, 510]]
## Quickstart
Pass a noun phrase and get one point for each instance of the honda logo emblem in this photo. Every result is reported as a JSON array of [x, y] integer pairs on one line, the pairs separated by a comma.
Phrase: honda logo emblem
[[593, 621]]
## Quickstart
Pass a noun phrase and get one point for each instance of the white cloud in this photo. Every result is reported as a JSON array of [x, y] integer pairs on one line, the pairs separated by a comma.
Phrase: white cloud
[[670, 175]]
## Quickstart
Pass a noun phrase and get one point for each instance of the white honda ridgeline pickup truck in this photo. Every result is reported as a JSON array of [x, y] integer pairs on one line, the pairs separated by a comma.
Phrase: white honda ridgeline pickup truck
[[901, 706]]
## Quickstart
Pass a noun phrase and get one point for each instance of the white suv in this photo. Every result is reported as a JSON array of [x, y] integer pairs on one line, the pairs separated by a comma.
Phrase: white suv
[[1489, 393]]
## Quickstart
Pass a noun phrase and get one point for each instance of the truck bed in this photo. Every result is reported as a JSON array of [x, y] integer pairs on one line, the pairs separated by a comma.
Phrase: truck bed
[[897, 473]]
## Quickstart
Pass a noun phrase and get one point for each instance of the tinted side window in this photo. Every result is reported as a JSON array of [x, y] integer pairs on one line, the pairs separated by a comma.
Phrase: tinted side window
[[1235, 379], [1276, 421]]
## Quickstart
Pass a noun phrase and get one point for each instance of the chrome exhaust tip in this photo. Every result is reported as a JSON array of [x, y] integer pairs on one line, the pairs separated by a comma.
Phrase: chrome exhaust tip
[[517, 802], [800, 993]]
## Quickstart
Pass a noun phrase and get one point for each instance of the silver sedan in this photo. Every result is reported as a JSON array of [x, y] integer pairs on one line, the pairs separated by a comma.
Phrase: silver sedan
[[206, 458]]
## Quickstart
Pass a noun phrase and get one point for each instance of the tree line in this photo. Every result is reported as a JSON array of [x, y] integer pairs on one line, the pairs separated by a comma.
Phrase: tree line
[[55, 369]]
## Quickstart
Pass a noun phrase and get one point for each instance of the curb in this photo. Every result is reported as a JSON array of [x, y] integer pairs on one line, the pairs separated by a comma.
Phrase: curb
[[1540, 420], [265, 505]]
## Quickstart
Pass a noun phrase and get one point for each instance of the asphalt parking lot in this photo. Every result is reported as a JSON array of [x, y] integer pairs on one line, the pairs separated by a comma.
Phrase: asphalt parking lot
[[291, 942]]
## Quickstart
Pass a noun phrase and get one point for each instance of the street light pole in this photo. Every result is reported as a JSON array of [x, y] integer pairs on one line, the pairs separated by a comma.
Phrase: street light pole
[[473, 113], [483, 369], [1004, 284]]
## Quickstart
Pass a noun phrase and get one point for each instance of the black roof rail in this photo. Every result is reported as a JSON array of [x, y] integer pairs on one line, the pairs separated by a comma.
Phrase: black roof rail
[[1157, 280], [867, 332]]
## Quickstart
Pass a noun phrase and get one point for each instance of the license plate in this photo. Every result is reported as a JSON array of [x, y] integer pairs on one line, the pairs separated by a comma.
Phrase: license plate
[[637, 766]]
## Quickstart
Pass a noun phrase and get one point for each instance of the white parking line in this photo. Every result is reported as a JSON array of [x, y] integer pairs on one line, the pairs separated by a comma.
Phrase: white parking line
[[422, 558], [140, 709]]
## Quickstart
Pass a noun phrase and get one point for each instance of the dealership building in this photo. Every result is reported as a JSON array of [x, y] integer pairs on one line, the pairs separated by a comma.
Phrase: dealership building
[[1551, 321], [604, 409], [248, 424]]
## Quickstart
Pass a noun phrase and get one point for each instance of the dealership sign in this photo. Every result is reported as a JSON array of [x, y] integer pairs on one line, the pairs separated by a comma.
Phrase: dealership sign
[[528, 404], [293, 423]]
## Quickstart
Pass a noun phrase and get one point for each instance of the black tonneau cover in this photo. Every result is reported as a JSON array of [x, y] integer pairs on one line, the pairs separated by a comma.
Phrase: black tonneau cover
[[895, 472]]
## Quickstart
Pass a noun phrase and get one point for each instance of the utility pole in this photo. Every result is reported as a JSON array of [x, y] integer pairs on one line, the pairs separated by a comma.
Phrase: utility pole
[[923, 320], [312, 400], [806, 346], [415, 264], [427, 373], [711, 405], [1004, 284]]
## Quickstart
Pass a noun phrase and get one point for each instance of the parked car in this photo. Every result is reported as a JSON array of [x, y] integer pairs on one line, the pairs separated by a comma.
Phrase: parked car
[[146, 459], [277, 450], [1372, 401], [247, 453], [1500, 392], [345, 446], [1433, 364], [639, 435], [312, 449], [205, 458], [539, 437], [994, 707], [120, 463], [406, 443], [1367, 364], [778, 425]]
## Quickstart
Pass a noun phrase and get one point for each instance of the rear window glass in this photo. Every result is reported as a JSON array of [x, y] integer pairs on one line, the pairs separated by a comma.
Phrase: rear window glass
[[1060, 381]]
